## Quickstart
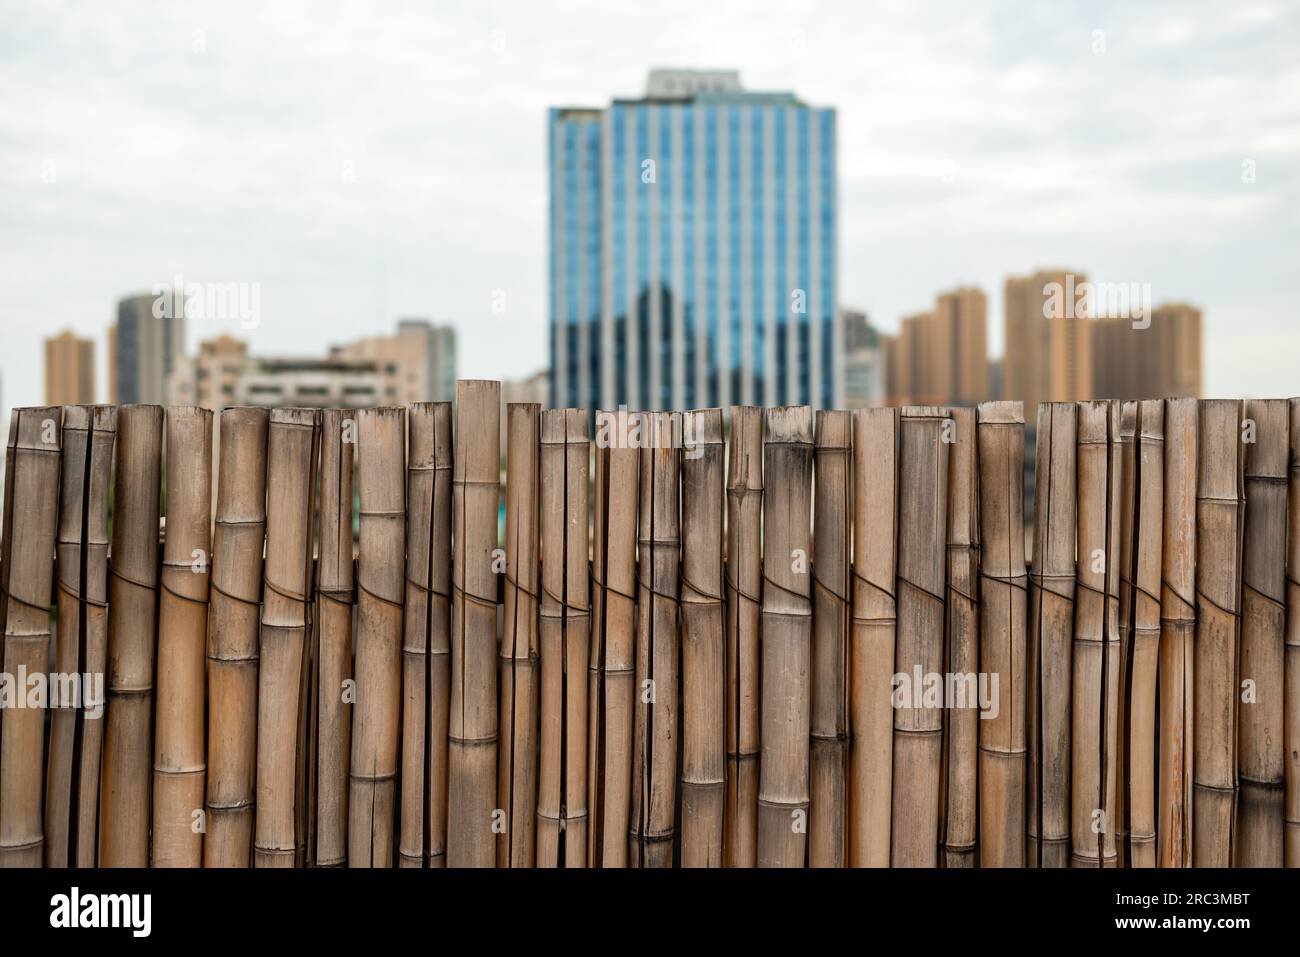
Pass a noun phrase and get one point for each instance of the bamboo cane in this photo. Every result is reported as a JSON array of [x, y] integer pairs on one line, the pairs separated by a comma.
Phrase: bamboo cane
[[72, 774], [564, 633], [654, 754], [439, 586], [517, 761], [1291, 696], [704, 651], [1002, 633], [871, 717], [1123, 554], [959, 819], [1051, 631], [132, 631], [31, 515], [472, 731], [1260, 758], [333, 638], [620, 585], [783, 792], [381, 593], [1218, 603], [744, 585], [235, 603], [1177, 625], [918, 648], [1150, 478], [596, 659], [179, 753]]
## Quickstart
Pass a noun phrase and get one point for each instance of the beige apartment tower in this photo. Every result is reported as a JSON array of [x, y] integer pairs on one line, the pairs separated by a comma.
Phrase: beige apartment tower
[[69, 370], [1048, 340], [1134, 360], [940, 357]]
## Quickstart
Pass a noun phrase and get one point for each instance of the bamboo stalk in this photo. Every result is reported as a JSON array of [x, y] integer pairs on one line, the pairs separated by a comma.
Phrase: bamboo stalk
[[472, 730], [654, 754], [704, 642], [439, 585], [517, 761], [620, 585], [564, 633], [596, 659], [381, 593], [333, 636], [1146, 633], [1291, 696], [783, 792], [871, 665], [1260, 756], [1051, 633], [1002, 633], [1123, 554], [31, 518], [179, 754], [959, 823], [1177, 626], [72, 772], [1218, 604], [132, 632], [744, 586]]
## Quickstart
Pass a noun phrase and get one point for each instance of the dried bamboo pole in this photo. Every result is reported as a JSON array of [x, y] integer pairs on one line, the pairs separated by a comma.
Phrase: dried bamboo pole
[[425, 630], [179, 753], [1177, 625], [654, 750], [517, 760], [132, 631], [472, 730], [76, 732], [1260, 758], [596, 659], [871, 656], [1051, 633], [235, 604], [1123, 485], [1150, 478], [1218, 604], [619, 590], [783, 792], [1002, 633], [564, 630], [381, 594], [1291, 696], [960, 799], [333, 637], [704, 642], [744, 585], [31, 518]]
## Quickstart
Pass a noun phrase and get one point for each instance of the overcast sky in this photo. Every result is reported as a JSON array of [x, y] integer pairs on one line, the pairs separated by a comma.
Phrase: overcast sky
[[365, 161]]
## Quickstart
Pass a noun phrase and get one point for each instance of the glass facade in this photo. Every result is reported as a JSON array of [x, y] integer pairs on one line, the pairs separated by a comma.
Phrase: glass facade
[[692, 253]]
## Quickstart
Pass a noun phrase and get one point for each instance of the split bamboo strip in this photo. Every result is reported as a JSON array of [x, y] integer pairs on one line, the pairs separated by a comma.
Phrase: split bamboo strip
[[1002, 633], [564, 630], [783, 792], [132, 631], [1150, 477], [1121, 555], [381, 594], [596, 659], [472, 730], [1051, 634], [619, 589], [744, 586], [871, 655], [654, 750], [425, 629], [333, 637], [292, 443], [1177, 626], [958, 810], [1291, 696], [76, 731], [517, 759], [704, 641], [919, 644], [1260, 757], [31, 518], [233, 614], [179, 746], [1218, 605]]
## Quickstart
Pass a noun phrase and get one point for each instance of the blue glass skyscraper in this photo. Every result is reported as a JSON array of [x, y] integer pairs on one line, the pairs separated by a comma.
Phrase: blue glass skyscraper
[[693, 249]]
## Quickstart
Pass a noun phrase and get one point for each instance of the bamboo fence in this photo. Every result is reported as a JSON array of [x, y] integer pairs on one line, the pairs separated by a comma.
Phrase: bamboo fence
[[764, 638]]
